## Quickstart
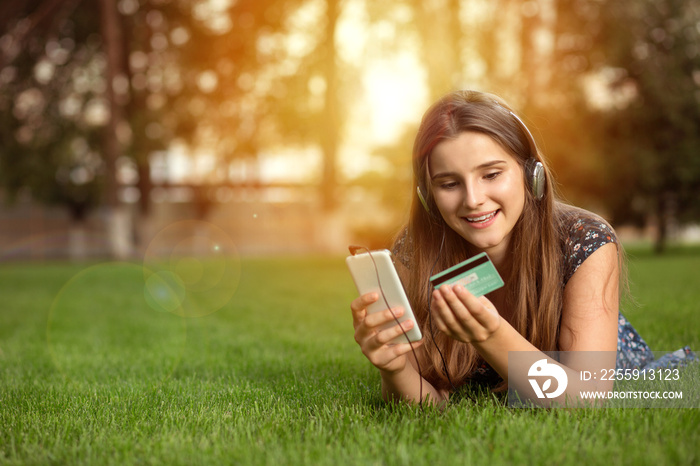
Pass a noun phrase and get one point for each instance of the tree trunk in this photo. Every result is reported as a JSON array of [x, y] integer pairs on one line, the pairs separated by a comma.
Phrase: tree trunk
[[117, 216], [442, 40], [663, 216], [330, 130]]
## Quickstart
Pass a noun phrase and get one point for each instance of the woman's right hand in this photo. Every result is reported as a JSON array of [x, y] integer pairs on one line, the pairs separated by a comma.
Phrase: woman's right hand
[[374, 341]]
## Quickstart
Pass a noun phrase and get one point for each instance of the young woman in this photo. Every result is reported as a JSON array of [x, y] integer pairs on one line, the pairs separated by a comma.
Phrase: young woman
[[482, 185]]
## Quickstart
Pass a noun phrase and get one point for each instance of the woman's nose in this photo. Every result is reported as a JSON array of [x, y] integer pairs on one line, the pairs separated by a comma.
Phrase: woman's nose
[[473, 196]]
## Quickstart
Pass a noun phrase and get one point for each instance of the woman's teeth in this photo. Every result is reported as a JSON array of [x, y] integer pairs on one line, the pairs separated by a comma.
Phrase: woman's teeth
[[483, 218]]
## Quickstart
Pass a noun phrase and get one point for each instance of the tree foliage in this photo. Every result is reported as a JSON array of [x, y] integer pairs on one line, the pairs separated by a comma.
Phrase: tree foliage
[[205, 73], [51, 88], [645, 59]]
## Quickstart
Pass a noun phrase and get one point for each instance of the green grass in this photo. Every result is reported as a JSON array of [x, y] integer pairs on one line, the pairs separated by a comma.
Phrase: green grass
[[90, 374]]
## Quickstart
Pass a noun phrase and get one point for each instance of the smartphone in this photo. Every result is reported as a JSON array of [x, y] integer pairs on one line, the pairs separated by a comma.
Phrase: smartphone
[[364, 271]]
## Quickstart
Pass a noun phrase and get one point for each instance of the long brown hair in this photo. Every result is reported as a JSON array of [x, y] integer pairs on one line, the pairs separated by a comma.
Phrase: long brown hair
[[534, 287]]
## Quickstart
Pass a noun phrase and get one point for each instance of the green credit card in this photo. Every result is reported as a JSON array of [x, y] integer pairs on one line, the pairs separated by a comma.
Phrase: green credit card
[[477, 274]]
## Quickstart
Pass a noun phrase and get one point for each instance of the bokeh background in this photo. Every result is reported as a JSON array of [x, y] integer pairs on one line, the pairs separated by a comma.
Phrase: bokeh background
[[288, 124]]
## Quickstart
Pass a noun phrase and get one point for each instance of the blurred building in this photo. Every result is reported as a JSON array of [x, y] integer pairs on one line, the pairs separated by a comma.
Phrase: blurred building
[[259, 219]]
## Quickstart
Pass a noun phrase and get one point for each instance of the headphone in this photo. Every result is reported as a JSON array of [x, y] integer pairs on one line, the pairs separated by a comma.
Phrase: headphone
[[535, 178]]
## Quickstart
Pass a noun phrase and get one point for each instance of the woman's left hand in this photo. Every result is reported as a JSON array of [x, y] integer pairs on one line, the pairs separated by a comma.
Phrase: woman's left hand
[[462, 316]]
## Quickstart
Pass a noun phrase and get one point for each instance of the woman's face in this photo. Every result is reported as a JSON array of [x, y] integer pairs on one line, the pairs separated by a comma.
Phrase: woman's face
[[479, 190]]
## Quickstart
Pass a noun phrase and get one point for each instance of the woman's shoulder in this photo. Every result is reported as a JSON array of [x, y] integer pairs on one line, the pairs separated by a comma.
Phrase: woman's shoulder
[[583, 232], [402, 246], [582, 224]]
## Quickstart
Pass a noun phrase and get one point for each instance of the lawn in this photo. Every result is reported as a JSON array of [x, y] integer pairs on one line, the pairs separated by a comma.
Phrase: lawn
[[91, 372]]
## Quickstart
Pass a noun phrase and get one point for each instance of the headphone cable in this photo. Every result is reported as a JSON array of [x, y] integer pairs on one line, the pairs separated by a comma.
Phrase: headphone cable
[[430, 315]]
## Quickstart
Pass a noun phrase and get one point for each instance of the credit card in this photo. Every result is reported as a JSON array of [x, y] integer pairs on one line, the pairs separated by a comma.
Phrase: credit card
[[477, 274]]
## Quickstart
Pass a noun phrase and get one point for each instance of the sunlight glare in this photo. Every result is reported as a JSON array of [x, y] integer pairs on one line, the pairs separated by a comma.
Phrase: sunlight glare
[[395, 93]]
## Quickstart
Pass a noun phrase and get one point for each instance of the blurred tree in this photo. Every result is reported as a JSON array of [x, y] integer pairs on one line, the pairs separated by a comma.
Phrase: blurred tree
[[50, 70], [309, 91], [440, 31], [331, 129], [118, 219], [610, 89], [557, 41], [643, 59], [206, 74], [202, 72]]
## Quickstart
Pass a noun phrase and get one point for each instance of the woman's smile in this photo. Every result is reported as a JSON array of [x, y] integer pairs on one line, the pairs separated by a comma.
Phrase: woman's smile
[[482, 221]]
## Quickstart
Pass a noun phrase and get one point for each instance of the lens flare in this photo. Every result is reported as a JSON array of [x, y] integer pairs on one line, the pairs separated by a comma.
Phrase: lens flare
[[191, 269], [164, 291]]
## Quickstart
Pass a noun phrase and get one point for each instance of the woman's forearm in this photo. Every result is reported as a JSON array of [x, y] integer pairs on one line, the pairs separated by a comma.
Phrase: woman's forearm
[[408, 385]]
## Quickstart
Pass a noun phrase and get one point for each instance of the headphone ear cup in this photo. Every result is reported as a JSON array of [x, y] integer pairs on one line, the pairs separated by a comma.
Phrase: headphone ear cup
[[422, 199], [535, 178]]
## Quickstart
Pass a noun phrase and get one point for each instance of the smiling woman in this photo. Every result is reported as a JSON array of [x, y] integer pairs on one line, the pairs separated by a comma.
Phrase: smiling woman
[[483, 186]]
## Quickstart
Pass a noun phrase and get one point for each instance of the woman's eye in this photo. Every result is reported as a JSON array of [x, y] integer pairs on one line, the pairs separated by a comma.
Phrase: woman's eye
[[448, 185], [492, 176]]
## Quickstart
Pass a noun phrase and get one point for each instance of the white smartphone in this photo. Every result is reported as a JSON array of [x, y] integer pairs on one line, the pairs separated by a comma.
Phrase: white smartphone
[[364, 273]]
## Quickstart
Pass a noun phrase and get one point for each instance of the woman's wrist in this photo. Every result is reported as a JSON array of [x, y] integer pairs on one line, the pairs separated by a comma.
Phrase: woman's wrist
[[494, 350], [396, 384], [408, 384], [397, 373]]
